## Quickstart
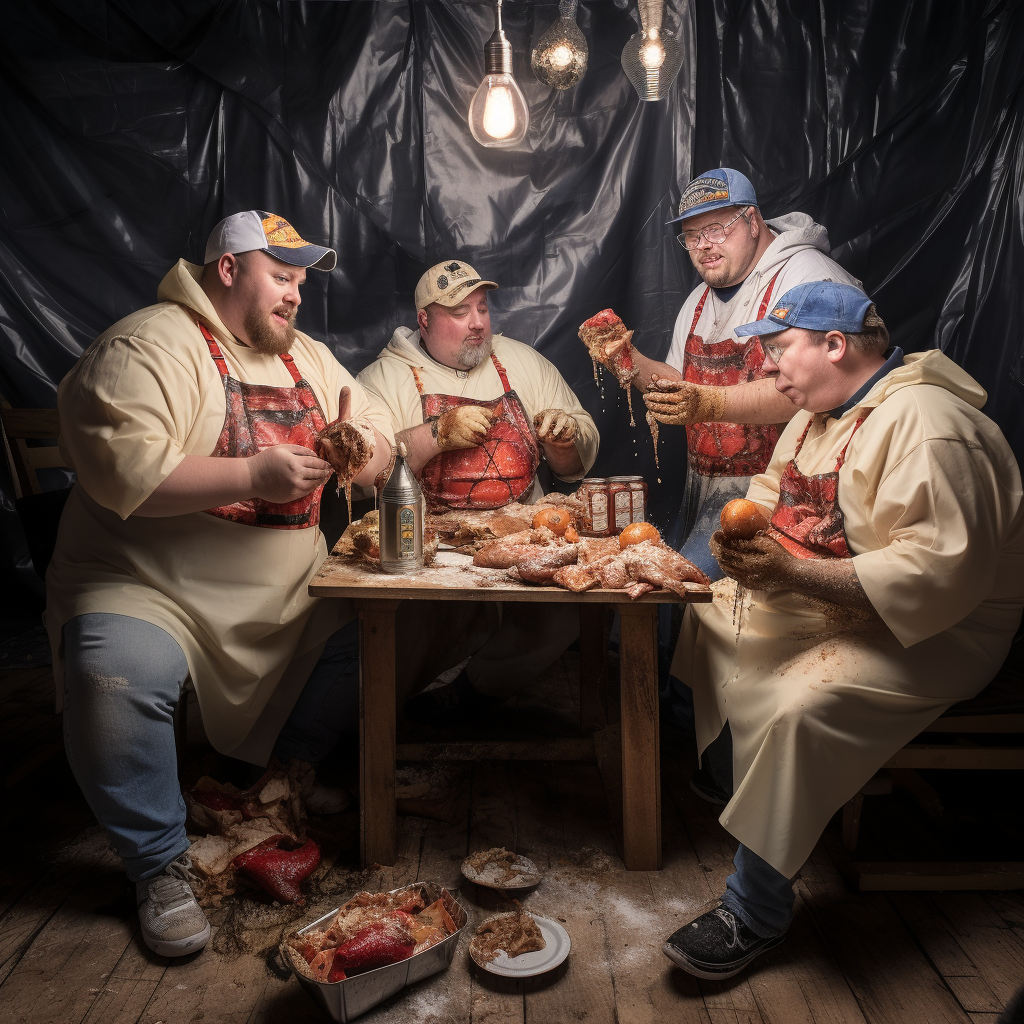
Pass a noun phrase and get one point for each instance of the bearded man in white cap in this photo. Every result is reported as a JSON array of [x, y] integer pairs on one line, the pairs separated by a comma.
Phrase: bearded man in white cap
[[188, 542], [478, 413]]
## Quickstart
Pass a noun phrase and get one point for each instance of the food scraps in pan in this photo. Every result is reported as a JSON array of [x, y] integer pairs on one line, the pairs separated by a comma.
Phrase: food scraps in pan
[[513, 934], [371, 930], [499, 868]]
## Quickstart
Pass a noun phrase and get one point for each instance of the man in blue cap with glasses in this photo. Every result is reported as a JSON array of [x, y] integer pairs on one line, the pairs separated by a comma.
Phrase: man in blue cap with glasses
[[887, 584], [712, 382]]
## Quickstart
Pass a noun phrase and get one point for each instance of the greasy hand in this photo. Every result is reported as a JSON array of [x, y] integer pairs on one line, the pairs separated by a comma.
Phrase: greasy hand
[[758, 564], [465, 426], [554, 426], [286, 472], [680, 403], [610, 350]]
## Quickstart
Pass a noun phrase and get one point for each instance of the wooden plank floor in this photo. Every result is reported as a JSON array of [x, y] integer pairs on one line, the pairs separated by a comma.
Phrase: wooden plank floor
[[70, 949]]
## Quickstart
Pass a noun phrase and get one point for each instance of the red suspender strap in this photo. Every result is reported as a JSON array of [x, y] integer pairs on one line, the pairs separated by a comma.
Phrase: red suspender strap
[[286, 358], [800, 443], [218, 356], [502, 376], [416, 377], [842, 455], [700, 309], [767, 296], [222, 366]]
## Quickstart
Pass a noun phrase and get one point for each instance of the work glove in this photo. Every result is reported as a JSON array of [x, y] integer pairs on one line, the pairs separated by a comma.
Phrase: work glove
[[680, 403], [465, 426]]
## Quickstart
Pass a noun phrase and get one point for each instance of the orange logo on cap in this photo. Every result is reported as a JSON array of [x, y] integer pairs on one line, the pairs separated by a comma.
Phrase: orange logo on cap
[[781, 312], [280, 232]]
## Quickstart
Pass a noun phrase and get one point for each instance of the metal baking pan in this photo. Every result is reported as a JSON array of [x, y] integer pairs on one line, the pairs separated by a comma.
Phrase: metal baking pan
[[346, 1000]]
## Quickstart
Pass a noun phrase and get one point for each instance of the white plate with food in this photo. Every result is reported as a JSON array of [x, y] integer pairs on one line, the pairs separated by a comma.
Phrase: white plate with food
[[499, 868], [544, 944]]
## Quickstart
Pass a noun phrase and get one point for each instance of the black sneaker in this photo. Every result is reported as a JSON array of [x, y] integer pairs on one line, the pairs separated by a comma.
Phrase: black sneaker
[[704, 785], [716, 945]]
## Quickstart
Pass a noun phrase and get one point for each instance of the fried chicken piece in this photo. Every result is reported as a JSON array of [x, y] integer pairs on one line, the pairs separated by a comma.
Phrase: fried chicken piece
[[576, 578], [515, 933], [508, 551], [540, 565], [348, 446]]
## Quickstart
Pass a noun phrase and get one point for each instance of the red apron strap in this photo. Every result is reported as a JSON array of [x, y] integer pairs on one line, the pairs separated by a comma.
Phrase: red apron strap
[[218, 356], [842, 455], [800, 443], [767, 296], [502, 376], [700, 309], [286, 358], [416, 377]]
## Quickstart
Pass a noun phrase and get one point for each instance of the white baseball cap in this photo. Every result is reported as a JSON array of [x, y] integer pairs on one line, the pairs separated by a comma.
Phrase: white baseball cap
[[257, 229]]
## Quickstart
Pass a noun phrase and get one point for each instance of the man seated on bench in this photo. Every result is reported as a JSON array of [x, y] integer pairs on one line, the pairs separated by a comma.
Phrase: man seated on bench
[[886, 584]]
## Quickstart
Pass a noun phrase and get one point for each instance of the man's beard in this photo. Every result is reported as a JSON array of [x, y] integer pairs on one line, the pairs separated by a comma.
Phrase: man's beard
[[266, 337], [471, 355]]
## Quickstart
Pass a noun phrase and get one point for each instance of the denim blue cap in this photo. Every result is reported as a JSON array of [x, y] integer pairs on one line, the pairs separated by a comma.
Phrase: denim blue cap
[[714, 189], [814, 306]]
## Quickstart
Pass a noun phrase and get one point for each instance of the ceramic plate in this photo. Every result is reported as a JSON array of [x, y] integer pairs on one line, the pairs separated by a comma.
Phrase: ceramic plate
[[528, 964], [493, 874]]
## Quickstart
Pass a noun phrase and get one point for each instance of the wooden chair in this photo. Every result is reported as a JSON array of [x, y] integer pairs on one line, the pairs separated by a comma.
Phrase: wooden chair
[[21, 426], [30, 437], [998, 711]]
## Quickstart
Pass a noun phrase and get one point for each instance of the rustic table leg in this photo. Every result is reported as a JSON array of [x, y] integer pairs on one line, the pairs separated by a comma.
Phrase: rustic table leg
[[378, 829], [593, 657], [641, 764]]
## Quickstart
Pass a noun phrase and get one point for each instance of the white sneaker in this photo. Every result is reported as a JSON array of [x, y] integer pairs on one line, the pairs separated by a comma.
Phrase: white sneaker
[[173, 923]]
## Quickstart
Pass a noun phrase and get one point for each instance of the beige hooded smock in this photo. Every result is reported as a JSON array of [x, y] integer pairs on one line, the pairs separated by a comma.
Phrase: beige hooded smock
[[144, 395], [816, 700], [536, 381]]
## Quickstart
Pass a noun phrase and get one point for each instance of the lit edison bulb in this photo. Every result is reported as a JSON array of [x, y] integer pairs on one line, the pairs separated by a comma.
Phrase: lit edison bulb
[[498, 115], [652, 52], [560, 57]]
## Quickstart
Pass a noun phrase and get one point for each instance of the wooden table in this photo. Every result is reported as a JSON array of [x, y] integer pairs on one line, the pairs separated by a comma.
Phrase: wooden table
[[377, 597]]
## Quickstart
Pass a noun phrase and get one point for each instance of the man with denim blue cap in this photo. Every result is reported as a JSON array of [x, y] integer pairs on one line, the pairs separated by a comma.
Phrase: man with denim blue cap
[[886, 584], [712, 381]]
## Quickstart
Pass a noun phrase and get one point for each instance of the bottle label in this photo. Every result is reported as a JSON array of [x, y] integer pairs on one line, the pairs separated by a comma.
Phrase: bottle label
[[623, 509], [407, 532], [599, 511]]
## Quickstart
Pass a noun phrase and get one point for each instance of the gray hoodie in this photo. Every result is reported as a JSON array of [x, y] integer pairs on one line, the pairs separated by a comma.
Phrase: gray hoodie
[[799, 253]]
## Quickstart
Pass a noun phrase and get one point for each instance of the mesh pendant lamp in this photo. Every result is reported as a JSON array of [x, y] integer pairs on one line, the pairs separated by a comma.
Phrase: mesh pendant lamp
[[560, 57], [652, 58]]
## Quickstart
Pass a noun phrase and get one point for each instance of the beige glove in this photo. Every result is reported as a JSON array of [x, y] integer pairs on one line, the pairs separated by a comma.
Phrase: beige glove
[[555, 426], [680, 403], [465, 426]]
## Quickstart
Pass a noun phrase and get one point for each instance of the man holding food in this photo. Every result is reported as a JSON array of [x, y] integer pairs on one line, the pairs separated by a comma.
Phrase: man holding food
[[713, 382], [478, 412], [883, 582], [187, 544]]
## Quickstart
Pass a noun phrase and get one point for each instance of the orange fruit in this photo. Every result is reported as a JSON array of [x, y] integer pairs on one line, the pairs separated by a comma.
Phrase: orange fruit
[[741, 519], [636, 533], [557, 520], [571, 535]]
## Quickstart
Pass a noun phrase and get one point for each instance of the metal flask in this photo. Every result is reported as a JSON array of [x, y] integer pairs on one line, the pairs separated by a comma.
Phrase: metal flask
[[401, 519]]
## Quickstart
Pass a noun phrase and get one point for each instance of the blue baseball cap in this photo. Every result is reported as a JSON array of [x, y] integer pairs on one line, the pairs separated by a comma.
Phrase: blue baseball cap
[[714, 189], [814, 306]]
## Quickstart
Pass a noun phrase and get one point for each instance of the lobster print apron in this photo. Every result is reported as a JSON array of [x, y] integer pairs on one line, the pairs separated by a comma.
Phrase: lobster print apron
[[496, 472], [260, 416]]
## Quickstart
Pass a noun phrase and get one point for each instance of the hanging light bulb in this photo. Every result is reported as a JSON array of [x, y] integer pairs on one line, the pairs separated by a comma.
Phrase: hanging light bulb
[[651, 58], [498, 115], [560, 57]]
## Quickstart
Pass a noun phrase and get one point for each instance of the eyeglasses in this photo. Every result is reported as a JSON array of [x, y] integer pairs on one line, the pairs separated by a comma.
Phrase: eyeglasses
[[714, 234], [773, 350]]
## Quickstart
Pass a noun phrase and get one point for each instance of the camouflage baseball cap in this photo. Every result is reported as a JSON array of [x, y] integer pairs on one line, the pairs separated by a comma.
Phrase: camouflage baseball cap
[[448, 283]]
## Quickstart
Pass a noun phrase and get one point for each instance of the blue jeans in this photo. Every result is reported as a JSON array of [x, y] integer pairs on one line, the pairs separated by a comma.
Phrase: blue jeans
[[761, 897], [122, 681]]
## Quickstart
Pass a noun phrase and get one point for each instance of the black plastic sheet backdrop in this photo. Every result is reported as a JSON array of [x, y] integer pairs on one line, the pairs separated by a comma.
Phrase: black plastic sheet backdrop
[[130, 129]]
